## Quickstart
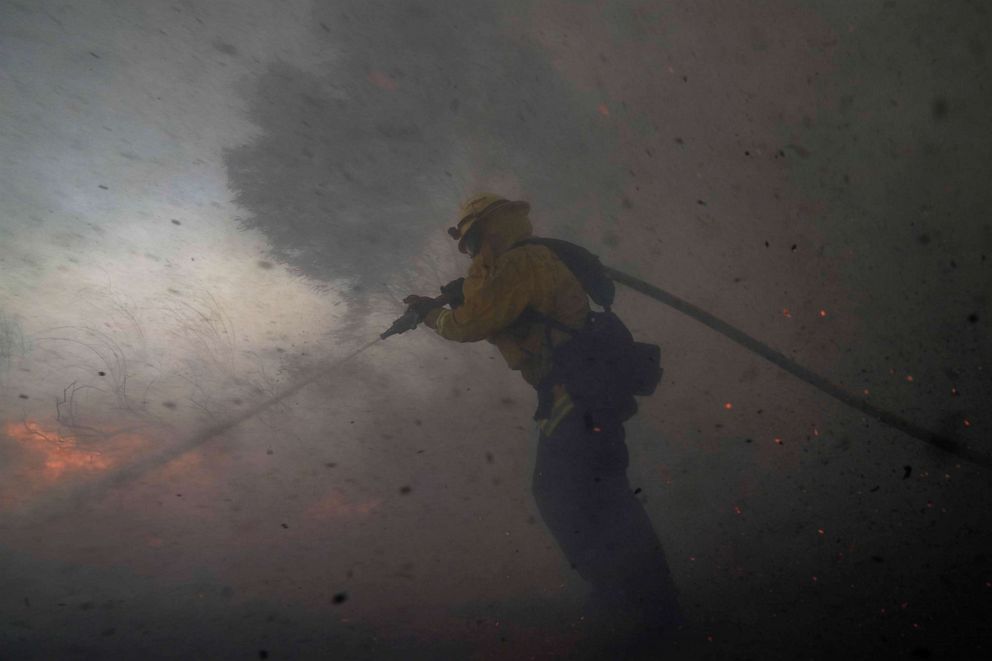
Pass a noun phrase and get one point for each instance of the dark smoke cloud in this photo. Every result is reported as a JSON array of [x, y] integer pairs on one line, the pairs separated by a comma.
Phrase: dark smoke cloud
[[356, 166]]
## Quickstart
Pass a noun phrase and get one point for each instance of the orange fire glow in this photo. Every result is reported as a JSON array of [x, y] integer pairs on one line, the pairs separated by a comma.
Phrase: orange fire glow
[[60, 453], [382, 81], [335, 504]]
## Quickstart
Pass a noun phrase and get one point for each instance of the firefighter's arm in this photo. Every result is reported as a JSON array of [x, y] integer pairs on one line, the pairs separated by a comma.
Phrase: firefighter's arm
[[491, 304], [453, 292]]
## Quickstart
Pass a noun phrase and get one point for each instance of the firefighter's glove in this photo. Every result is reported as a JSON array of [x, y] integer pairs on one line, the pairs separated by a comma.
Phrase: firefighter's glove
[[422, 305], [453, 290]]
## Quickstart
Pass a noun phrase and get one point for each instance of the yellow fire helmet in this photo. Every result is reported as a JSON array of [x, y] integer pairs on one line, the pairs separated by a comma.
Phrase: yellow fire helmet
[[478, 207]]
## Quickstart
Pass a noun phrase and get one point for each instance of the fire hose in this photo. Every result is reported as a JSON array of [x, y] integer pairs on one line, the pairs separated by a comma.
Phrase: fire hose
[[411, 319], [938, 441]]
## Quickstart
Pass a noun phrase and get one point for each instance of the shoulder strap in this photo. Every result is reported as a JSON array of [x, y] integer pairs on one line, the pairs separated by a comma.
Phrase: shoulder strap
[[584, 265]]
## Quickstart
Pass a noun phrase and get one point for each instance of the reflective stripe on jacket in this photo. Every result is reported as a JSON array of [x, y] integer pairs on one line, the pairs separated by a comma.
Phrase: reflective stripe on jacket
[[562, 407]]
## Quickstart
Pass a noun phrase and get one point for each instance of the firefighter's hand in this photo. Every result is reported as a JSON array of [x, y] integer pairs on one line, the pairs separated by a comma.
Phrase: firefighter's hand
[[421, 304], [453, 290]]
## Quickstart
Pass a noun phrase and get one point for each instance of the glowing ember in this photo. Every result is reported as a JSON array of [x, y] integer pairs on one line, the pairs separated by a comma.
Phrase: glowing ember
[[967, 422], [786, 313], [737, 510], [819, 530], [728, 406], [823, 313], [909, 377], [778, 440]]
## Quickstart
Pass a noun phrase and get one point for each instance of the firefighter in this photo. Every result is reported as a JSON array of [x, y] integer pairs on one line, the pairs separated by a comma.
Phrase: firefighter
[[580, 484]]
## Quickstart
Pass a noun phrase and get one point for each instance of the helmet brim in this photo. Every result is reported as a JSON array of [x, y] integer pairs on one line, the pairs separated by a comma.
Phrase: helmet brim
[[470, 221]]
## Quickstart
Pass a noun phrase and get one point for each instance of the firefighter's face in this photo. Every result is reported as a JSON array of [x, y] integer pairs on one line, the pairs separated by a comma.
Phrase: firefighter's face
[[473, 240]]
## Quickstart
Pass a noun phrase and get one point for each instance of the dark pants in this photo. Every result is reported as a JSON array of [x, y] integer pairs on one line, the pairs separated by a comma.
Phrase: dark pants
[[581, 488]]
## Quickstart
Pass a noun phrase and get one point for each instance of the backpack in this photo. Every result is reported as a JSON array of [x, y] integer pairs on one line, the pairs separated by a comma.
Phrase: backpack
[[601, 365], [584, 265]]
